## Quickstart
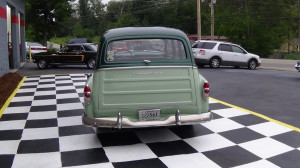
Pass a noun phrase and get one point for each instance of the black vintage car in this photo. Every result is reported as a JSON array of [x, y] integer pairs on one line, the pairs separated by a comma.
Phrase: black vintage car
[[79, 53]]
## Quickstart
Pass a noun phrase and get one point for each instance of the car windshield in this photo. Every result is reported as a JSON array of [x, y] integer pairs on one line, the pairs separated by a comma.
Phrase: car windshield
[[145, 49]]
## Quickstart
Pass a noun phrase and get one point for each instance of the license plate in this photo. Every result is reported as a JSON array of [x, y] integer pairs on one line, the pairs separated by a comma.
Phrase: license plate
[[147, 115]]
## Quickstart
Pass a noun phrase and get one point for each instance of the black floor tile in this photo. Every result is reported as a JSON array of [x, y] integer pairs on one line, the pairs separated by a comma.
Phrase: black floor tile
[[118, 138], [20, 104], [10, 135], [290, 138], [43, 123], [28, 87], [83, 157], [70, 113], [188, 131], [241, 135], [148, 163], [24, 94], [43, 108], [45, 97], [68, 100], [75, 130], [39, 146], [45, 89], [66, 91], [17, 116], [231, 156], [171, 148], [46, 83], [6, 161], [63, 79], [217, 106], [30, 81], [64, 84], [288, 159], [248, 120]]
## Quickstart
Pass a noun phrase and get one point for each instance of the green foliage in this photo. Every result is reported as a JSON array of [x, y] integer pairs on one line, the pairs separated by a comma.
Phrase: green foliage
[[258, 26], [291, 57]]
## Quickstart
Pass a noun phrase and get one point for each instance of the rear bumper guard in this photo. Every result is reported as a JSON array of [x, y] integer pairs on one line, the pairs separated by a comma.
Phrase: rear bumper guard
[[121, 122]]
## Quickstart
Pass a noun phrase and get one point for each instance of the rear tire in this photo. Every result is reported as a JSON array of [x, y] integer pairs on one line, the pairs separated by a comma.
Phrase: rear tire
[[252, 64], [42, 64], [214, 62], [91, 63]]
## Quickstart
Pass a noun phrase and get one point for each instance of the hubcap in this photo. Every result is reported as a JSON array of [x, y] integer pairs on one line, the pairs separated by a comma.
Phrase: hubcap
[[215, 63]]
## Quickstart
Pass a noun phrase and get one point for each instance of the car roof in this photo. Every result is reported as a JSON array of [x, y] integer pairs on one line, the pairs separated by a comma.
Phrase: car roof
[[143, 31], [76, 44]]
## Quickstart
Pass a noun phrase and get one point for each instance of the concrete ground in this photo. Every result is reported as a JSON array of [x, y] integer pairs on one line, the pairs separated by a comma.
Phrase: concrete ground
[[278, 64]]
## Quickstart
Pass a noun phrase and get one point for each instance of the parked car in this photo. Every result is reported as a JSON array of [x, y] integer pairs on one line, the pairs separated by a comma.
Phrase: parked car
[[81, 53], [145, 86], [216, 53], [297, 66], [35, 48]]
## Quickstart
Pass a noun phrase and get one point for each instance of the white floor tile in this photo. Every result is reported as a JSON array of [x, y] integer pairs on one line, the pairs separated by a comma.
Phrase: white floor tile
[[196, 160], [221, 125], [99, 165], [12, 125], [261, 163], [230, 112], [65, 87], [266, 147], [37, 160], [41, 93], [40, 133], [69, 95], [9, 147], [209, 142], [269, 129], [79, 142], [14, 110], [128, 153], [43, 102], [42, 115], [23, 98], [69, 121], [46, 86], [69, 106]]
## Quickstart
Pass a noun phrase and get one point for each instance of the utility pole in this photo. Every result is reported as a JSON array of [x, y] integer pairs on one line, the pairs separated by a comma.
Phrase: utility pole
[[212, 24], [199, 19]]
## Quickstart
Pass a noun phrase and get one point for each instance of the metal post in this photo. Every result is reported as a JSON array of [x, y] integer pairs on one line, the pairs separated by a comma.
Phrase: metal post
[[212, 25], [199, 19]]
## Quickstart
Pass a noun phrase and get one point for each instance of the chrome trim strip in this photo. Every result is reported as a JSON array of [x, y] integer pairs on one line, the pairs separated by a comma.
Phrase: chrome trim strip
[[144, 67], [126, 123]]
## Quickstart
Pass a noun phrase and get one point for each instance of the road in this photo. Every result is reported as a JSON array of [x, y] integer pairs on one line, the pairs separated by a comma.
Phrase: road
[[268, 92]]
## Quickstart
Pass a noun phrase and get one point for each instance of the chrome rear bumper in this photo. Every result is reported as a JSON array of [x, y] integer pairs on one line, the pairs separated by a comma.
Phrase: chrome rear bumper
[[122, 122]]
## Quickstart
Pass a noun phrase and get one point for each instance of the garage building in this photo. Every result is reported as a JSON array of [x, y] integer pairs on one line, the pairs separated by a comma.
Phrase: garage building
[[12, 35]]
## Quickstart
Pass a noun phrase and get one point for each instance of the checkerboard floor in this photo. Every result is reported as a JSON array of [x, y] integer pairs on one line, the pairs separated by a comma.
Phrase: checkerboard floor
[[42, 128]]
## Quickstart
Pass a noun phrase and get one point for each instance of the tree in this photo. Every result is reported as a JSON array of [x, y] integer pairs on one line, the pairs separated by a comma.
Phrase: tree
[[44, 17]]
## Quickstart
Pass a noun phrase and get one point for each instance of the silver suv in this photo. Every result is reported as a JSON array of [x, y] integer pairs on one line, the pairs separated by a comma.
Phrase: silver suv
[[216, 53]]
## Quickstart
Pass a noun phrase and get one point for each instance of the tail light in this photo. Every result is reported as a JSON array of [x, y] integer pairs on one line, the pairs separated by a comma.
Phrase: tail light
[[202, 52], [44, 48], [206, 88], [87, 94]]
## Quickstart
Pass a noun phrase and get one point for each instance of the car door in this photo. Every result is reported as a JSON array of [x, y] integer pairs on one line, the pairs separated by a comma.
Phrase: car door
[[225, 52], [72, 54], [239, 55]]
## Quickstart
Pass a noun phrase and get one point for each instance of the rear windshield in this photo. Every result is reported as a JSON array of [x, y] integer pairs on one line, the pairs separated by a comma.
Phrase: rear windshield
[[145, 49], [204, 45]]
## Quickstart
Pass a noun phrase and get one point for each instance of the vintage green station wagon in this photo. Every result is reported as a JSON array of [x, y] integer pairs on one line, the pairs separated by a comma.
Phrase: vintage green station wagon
[[144, 77]]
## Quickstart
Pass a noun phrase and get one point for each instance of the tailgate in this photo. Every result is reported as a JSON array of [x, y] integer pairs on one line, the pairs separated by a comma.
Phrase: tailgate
[[146, 88]]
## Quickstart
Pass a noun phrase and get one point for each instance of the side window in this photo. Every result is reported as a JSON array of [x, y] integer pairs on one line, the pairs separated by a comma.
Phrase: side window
[[225, 47], [237, 49]]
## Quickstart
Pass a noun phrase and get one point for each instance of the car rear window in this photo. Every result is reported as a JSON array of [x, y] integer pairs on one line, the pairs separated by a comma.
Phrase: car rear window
[[133, 50], [204, 45]]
